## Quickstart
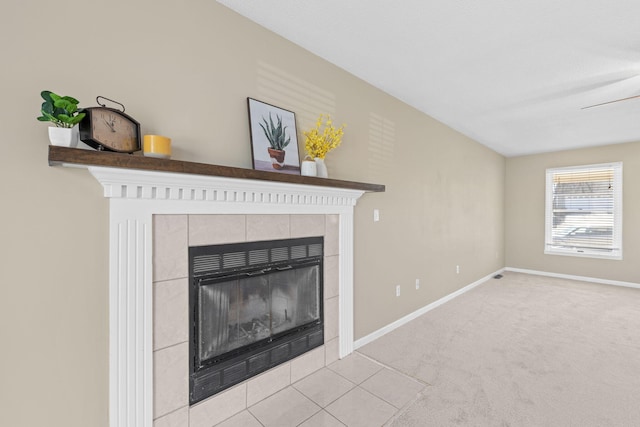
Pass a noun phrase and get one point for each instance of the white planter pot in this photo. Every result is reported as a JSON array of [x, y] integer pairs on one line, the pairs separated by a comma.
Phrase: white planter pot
[[308, 168], [64, 137]]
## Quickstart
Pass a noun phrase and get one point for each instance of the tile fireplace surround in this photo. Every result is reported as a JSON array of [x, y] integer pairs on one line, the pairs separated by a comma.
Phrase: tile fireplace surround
[[171, 233], [148, 280]]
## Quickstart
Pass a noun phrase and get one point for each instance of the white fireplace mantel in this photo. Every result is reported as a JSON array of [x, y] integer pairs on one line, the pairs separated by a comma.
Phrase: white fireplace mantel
[[135, 196]]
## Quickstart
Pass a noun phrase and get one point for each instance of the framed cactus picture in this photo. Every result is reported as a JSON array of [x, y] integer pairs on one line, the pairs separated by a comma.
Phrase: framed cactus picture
[[274, 139]]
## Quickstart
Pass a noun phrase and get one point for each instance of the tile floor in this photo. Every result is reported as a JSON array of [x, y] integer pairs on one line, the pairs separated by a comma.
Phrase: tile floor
[[351, 392]]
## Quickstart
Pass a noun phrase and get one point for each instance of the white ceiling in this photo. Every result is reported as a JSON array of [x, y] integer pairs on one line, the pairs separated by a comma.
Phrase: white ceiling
[[511, 74]]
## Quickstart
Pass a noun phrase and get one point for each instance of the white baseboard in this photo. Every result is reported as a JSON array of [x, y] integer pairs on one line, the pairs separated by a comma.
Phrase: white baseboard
[[390, 327], [572, 277]]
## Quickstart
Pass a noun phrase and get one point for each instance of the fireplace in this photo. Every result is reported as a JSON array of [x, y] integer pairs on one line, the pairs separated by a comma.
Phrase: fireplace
[[149, 382], [253, 306]]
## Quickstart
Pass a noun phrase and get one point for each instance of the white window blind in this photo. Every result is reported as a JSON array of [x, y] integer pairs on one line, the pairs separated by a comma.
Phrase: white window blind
[[584, 211]]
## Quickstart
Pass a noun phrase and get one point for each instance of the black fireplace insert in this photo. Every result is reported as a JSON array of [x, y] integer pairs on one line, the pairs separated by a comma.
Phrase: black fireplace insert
[[253, 306]]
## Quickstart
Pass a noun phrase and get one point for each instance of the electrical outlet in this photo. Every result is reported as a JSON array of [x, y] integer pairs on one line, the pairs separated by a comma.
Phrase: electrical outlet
[[417, 283], [457, 269], [376, 215], [398, 290]]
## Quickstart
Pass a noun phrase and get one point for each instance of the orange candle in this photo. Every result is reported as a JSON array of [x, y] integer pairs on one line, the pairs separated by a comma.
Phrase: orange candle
[[157, 146]]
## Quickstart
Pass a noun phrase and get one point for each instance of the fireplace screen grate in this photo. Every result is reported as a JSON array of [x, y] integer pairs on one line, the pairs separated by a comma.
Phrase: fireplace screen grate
[[254, 305], [205, 262]]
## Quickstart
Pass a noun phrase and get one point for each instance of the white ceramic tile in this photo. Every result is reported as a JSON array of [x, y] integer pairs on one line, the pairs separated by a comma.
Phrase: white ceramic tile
[[355, 368], [287, 408], [331, 318], [170, 313], [359, 408], [268, 227], [218, 408], [268, 383], [322, 419], [171, 380], [307, 225], [306, 364], [216, 229], [179, 418], [332, 235], [243, 419], [324, 386], [393, 387], [170, 243], [331, 276], [332, 351]]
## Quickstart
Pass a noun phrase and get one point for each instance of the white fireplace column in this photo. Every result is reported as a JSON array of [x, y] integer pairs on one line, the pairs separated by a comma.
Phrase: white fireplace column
[[134, 197]]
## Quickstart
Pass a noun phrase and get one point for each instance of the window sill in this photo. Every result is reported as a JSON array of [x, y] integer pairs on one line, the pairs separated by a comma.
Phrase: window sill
[[574, 253]]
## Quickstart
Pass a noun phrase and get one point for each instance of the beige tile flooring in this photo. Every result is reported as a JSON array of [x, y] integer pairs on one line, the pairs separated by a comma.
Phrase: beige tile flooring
[[352, 392]]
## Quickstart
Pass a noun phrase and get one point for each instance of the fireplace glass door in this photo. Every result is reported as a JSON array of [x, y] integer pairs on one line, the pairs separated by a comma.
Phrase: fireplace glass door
[[253, 307]]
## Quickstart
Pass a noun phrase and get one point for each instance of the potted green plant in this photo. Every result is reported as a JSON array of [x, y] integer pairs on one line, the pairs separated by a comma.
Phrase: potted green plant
[[63, 112], [278, 140]]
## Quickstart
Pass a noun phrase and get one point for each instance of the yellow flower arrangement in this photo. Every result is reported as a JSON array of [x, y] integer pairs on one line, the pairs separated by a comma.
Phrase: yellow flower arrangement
[[319, 142]]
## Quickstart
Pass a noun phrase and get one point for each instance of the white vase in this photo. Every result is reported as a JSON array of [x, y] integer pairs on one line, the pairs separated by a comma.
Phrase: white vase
[[321, 168], [64, 137], [308, 168]]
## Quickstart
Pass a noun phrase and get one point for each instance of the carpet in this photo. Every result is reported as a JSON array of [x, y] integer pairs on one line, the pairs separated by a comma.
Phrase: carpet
[[524, 350]]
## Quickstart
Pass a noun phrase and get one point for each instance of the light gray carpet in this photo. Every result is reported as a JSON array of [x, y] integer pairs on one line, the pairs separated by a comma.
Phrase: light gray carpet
[[522, 351]]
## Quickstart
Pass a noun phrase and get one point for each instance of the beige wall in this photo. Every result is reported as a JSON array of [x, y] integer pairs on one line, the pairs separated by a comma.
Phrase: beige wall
[[185, 70], [525, 210]]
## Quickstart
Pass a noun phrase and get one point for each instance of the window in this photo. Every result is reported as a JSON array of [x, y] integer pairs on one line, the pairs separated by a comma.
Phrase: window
[[584, 211]]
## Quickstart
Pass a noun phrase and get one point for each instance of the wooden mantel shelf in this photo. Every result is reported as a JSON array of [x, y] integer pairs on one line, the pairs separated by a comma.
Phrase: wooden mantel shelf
[[75, 156]]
